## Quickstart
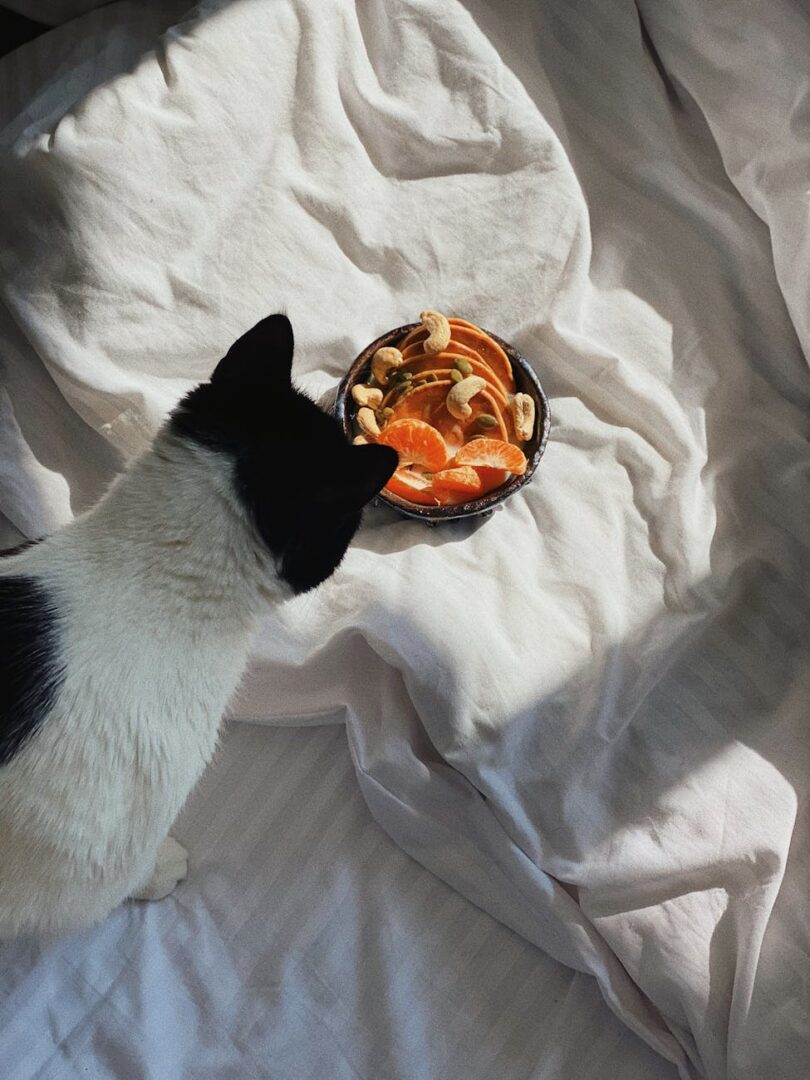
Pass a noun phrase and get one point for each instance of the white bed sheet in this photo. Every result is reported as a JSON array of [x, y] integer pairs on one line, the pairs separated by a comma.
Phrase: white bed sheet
[[305, 943], [589, 714], [304, 946]]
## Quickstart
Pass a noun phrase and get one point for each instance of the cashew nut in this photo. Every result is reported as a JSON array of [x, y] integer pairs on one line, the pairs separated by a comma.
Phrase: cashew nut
[[438, 329], [359, 440], [522, 407], [367, 422], [383, 363], [460, 394], [366, 395]]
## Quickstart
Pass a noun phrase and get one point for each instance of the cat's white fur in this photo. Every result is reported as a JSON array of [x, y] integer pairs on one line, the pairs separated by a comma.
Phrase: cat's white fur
[[157, 591]]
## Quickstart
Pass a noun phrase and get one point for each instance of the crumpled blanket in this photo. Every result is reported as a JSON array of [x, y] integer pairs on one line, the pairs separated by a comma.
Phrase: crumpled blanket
[[588, 713]]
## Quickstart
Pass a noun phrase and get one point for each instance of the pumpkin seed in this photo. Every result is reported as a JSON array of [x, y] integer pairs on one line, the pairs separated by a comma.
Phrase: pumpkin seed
[[485, 420], [387, 411], [456, 376], [464, 366]]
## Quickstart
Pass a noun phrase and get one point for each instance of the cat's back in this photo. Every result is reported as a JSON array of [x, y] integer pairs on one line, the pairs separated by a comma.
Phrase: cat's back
[[76, 792], [95, 651], [30, 669], [110, 703]]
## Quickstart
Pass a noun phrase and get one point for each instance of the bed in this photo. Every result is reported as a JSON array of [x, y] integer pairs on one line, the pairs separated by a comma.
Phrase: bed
[[519, 798]]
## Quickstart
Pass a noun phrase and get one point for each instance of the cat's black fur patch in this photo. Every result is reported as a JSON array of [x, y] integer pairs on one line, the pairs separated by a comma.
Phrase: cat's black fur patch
[[304, 485], [30, 672]]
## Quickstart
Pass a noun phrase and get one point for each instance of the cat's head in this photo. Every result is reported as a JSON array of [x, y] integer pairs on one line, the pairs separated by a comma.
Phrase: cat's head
[[299, 479]]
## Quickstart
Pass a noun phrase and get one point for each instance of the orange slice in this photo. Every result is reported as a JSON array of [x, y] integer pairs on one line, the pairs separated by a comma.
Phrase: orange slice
[[485, 403], [490, 478], [427, 403], [411, 486], [416, 442], [420, 402], [457, 348], [442, 363], [466, 323], [417, 334], [490, 352], [463, 481], [466, 333], [494, 453]]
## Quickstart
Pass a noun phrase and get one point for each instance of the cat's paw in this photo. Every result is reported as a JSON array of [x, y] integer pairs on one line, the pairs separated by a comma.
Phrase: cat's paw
[[171, 867]]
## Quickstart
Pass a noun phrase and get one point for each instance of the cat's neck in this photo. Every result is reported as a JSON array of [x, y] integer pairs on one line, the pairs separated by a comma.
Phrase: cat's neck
[[174, 526]]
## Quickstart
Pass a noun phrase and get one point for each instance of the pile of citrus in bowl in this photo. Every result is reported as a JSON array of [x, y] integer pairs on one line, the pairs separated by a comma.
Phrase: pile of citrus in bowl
[[445, 400]]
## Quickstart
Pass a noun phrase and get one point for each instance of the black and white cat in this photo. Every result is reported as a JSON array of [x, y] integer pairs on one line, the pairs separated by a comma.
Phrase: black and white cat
[[123, 635]]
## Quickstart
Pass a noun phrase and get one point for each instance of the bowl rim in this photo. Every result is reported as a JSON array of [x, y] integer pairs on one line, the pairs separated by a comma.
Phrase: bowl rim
[[483, 504]]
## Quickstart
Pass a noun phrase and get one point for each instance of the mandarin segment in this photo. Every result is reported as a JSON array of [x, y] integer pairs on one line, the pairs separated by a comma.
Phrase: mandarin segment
[[416, 442], [491, 478], [411, 486], [494, 454], [463, 480], [428, 402]]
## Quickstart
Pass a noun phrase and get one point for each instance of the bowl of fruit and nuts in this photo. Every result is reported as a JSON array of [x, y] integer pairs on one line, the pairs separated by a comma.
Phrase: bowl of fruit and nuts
[[463, 408]]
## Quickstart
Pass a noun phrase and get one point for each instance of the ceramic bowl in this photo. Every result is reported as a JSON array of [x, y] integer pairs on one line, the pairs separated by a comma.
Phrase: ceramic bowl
[[525, 381]]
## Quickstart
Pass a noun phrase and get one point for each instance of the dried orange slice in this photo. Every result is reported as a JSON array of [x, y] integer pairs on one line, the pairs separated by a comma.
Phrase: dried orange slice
[[456, 347], [417, 334], [420, 402], [493, 453], [411, 486], [485, 404], [463, 481], [473, 337], [416, 442], [489, 351], [440, 364]]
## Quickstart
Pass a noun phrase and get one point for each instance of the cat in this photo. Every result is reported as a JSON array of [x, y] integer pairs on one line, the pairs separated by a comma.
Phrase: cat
[[124, 634]]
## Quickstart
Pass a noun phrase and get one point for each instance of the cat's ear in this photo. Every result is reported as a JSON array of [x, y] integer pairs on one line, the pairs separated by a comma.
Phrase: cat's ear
[[263, 355], [363, 473]]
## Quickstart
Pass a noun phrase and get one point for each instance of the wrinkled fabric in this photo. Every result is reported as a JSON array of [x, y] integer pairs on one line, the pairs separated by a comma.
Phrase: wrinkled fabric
[[53, 12], [304, 945], [746, 68], [587, 713]]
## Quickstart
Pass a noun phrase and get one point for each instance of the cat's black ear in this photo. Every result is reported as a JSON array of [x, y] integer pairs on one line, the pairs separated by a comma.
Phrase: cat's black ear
[[367, 470], [262, 355]]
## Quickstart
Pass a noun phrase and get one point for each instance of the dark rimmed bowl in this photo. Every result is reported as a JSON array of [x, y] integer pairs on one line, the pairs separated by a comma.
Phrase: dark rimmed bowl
[[526, 382]]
